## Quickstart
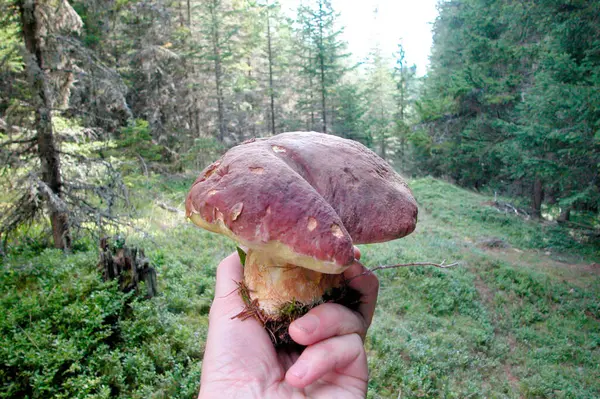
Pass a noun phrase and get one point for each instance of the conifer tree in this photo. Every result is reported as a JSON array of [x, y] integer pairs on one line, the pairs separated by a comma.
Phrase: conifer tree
[[323, 55]]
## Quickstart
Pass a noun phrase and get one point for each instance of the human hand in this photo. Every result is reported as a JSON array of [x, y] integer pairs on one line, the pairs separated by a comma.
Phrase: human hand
[[241, 362]]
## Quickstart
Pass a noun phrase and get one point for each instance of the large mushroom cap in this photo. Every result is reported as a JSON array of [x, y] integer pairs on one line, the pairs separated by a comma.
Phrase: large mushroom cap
[[305, 197]]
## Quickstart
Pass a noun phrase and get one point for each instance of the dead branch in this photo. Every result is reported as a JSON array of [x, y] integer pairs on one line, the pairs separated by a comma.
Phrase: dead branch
[[169, 208], [11, 142], [143, 164], [441, 265], [506, 207]]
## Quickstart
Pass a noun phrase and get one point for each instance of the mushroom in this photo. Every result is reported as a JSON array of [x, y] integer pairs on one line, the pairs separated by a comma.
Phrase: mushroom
[[299, 202]]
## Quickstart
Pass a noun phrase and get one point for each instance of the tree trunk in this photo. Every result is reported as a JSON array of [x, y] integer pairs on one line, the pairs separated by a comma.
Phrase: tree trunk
[[537, 198], [383, 146], [127, 265], [565, 214], [46, 146], [218, 70], [322, 71], [189, 13], [311, 92], [323, 96], [270, 54]]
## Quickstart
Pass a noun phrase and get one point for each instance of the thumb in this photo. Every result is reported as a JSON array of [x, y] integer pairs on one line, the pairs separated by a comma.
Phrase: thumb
[[228, 304], [230, 277], [235, 346]]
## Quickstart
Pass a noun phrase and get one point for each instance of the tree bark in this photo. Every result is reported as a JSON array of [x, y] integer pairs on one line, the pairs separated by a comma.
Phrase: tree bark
[[565, 214], [383, 146], [127, 265], [218, 69], [189, 13], [537, 198], [46, 145], [270, 54], [323, 95], [322, 70]]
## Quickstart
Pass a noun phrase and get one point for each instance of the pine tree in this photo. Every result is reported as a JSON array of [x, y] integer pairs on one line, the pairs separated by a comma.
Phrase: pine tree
[[323, 55], [40, 21], [350, 105], [403, 76], [379, 94]]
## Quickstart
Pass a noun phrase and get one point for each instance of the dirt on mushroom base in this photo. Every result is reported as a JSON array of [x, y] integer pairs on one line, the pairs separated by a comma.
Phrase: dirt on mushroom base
[[278, 326]]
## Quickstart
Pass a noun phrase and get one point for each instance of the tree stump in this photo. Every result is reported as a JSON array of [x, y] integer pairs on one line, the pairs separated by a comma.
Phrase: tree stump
[[128, 265]]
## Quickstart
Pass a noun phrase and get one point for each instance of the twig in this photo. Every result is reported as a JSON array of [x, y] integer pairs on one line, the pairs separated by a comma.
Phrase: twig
[[169, 208], [10, 142], [442, 265], [143, 164], [30, 339]]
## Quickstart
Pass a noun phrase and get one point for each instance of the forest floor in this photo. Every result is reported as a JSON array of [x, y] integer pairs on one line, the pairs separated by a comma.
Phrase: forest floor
[[518, 317]]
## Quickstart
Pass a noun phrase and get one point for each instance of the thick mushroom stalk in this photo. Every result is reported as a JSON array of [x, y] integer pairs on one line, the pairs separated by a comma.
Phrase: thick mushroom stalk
[[276, 284], [299, 202]]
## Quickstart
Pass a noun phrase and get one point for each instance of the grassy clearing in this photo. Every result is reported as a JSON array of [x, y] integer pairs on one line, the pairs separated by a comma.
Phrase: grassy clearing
[[520, 321]]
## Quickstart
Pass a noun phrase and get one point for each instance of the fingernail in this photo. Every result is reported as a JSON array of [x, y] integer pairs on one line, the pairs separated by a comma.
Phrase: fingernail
[[299, 369], [307, 323]]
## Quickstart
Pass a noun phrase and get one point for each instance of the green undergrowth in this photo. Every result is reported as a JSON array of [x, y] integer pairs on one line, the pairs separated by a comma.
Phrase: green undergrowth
[[520, 320], [511, 322]]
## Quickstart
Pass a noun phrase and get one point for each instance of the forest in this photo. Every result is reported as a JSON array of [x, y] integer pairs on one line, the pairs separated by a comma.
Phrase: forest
[[110, 109]]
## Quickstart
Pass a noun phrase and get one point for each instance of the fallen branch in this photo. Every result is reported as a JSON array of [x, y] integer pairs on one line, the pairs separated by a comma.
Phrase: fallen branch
[[507, 207], [169, 208], [442, 265]]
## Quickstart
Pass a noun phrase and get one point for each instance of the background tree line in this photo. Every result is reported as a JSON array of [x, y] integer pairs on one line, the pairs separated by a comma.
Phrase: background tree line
[[176, 82], [512, 100]]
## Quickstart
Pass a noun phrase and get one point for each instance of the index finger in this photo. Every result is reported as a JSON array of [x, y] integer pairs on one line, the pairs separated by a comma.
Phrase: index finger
[[364, 281]]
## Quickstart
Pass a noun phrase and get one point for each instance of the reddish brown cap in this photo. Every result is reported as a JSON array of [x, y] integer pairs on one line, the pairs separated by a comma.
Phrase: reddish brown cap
[[303, 197]]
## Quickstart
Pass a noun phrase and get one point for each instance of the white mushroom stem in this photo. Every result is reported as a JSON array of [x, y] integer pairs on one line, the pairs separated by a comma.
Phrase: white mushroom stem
[[275, 283]]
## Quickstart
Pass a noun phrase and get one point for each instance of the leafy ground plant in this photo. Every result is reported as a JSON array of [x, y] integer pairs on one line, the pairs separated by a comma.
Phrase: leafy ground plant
[[517, 320]]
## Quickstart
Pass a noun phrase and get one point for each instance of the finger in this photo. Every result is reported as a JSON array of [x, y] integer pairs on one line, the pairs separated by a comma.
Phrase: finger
[[326, 321], [227, 301], [368, 286], [357, 253], [232, 343], [344, 355]]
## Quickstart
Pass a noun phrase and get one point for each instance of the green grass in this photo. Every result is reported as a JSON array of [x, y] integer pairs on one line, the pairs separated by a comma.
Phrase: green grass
[[520, 321], [511, 323]]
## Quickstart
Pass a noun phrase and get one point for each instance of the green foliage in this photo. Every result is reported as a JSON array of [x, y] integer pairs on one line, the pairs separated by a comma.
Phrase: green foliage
[[321, 55], [67, 334], [136, 139], [349, 114], [204, 151], [10, 57], [505, 323], [512, 99]]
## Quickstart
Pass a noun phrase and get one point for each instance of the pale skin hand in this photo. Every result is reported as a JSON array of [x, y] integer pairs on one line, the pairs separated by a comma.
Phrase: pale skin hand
[[241, 362]]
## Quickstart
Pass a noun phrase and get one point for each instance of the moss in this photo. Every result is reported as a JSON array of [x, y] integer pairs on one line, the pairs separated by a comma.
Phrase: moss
[[278, 326]]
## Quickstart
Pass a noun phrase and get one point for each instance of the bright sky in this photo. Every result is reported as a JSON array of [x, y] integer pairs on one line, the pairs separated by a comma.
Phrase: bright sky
[[408, 21]]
